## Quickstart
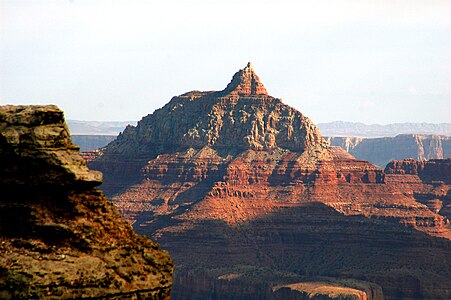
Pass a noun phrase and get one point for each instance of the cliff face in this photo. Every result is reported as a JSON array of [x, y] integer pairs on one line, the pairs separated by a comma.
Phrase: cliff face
[[244, 190], [380, 151], [436, 172], [60, 237]]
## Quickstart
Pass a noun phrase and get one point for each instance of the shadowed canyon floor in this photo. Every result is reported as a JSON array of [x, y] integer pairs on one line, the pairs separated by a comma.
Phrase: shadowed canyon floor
[[247, 196]]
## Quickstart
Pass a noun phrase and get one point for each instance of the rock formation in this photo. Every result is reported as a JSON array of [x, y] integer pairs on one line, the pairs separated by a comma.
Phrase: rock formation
[[240, 117], [247, 195], [434, 170], [59, 237], [380, 151]]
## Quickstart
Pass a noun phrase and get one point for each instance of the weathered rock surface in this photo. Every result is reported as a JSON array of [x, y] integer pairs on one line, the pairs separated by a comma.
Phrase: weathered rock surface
[[235, 182], [381, 151], [59, 237]]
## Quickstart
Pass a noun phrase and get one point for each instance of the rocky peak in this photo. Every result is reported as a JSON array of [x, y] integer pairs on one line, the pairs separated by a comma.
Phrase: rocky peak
[[245, 82], [239, 118]]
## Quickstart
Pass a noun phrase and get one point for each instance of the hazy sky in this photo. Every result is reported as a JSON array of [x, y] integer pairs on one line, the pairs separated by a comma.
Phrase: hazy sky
[[367, 61]]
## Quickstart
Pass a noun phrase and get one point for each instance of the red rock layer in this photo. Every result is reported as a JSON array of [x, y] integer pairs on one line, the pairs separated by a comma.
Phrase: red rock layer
[[256, 183], [429, 171]]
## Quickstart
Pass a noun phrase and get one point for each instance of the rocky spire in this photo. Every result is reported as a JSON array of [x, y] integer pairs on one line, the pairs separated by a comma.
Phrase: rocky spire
[[245, 82]]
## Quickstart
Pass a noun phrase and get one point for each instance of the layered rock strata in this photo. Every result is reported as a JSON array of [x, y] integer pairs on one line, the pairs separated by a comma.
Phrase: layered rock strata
[[435, 172], [235, 182], [60, 237]]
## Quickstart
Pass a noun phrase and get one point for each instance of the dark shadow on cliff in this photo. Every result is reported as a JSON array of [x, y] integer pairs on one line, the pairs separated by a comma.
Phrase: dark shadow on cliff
[[23, 219], [314, 240]]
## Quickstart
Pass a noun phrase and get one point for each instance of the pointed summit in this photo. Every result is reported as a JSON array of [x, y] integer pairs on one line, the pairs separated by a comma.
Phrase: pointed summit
[[245, 82]]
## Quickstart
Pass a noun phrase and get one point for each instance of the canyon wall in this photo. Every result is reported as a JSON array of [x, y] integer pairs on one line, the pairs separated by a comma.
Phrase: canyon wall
[[380, 151]]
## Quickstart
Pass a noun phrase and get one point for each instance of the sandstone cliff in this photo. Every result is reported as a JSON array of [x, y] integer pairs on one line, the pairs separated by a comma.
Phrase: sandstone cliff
[[60, 237], [245, 191], [380, 151]]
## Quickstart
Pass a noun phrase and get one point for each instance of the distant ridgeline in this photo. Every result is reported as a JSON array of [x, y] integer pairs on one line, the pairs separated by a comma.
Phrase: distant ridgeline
[[337, 128], [77, 127], [340, 128], [91, 135], [425, 141], [92, 142], [380, 151]]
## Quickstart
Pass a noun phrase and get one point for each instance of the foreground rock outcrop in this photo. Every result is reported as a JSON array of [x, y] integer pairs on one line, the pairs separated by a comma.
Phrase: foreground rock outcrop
[[248, 196], [59, 237]]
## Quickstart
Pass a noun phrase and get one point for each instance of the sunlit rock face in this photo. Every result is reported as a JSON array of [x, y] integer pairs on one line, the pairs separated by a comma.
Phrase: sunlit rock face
[[60, 237], [246, 194]]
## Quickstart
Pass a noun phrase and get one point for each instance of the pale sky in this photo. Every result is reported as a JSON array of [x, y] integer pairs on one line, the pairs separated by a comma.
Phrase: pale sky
[[367, 61]]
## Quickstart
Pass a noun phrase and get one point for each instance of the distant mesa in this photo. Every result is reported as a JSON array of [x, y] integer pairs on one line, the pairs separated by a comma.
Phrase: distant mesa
[[380, 151]]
